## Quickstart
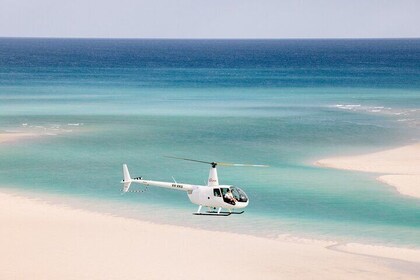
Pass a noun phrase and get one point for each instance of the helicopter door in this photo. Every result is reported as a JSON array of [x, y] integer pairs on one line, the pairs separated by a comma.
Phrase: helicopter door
[[227, 196]]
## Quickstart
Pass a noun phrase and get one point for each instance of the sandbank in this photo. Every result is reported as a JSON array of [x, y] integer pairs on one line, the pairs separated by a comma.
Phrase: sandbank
[[400, 166], [39, 240], [14, 136]]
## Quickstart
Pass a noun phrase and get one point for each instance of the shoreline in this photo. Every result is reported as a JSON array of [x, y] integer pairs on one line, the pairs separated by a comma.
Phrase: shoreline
[[59, 241], [398, 167], [71, 243]]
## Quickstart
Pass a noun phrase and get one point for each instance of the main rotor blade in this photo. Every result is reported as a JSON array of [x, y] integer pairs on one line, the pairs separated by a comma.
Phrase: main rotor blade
[[220, 163], [241, 164], [187, 159]]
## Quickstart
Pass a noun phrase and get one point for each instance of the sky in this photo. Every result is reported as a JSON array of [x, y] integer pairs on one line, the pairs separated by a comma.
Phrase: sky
[[210, 19]]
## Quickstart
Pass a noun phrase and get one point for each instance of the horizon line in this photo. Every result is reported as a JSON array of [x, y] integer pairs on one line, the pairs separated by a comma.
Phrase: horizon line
[[210, 38]]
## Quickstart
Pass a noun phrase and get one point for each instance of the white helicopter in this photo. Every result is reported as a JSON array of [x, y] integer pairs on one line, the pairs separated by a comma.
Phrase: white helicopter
[[213, 196]]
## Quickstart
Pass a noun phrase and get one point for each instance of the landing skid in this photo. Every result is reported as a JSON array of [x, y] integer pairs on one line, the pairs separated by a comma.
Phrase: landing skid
[[214, 213], [219, 212], [223, 212]]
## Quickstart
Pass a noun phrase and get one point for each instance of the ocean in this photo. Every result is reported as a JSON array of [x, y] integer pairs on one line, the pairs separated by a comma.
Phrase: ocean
[[286, 103]]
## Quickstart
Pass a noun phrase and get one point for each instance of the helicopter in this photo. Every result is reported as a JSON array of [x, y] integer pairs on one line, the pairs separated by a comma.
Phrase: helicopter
[[213, 196]]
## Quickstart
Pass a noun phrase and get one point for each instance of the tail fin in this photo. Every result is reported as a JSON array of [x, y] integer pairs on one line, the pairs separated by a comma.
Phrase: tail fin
[[126, 173], [127, 179]]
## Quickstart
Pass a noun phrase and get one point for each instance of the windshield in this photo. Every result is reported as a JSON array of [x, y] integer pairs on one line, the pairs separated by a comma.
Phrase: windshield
[[239, 194]]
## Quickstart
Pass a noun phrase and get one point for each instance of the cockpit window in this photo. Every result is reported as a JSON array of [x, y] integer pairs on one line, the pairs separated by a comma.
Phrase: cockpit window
[[224, 191], [216, 192], [239, 194]]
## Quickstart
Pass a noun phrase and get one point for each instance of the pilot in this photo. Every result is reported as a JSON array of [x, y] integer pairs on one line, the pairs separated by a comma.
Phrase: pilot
[[229, 196]]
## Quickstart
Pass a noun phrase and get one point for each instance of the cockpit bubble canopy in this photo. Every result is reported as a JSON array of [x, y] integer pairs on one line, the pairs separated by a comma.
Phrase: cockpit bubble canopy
[[238, 194]]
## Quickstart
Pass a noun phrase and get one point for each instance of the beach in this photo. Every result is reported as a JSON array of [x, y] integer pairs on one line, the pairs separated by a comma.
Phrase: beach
[[44, 241], [400, 167]]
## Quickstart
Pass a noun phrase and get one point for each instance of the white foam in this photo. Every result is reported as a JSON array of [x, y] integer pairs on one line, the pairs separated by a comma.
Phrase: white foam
[[347, 106]]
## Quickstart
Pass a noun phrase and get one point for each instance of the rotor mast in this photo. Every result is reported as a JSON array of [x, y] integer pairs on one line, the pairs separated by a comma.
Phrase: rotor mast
[[213, 179]]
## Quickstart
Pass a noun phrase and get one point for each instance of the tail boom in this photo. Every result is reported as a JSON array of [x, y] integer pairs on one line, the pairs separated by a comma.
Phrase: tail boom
[[169, 185]]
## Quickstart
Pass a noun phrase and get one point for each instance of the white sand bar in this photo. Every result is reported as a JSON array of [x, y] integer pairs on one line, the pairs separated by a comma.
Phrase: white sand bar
[[12, 137], [43, 241], [401, 166]]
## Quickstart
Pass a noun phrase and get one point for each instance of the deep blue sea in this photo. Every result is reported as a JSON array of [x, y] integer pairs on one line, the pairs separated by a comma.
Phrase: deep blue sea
[[285, 103]]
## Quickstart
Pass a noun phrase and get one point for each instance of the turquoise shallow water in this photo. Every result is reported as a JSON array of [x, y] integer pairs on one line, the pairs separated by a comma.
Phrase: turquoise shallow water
[[103, 103]]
